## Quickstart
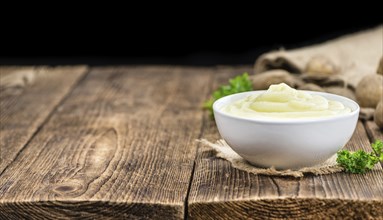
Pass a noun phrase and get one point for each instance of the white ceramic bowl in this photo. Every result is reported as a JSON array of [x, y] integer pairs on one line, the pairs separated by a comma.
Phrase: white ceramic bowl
[[286, 143]]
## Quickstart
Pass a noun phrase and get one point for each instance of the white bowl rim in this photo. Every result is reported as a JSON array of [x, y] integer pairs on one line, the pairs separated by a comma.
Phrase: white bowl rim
[[266, 120]]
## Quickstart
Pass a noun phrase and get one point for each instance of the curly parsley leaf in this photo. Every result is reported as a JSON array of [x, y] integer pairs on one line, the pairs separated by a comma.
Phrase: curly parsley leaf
[[240, 83], [361, 161]]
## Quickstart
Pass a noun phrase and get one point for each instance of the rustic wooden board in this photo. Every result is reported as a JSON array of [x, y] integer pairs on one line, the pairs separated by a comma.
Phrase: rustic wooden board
[[122, 145], [373, 132], [219, 191], [27, 97]]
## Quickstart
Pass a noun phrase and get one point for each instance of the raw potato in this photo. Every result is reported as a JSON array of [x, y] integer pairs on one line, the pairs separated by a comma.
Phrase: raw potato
[[346, 92], [311, 87], [380, 67], [378, 117], [369, 90], [320, 65], [265, 79]]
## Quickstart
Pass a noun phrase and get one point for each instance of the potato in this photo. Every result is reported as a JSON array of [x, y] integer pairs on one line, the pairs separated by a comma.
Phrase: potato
[[369, 90], [265, 79], [346, 92], [378, 116], [311, 87], [320, 65]]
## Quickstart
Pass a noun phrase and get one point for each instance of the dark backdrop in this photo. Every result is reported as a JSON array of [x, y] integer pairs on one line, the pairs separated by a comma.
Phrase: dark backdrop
[[168, 42]]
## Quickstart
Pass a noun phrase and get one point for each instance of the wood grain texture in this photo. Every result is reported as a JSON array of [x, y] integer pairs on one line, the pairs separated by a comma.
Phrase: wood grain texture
[[373, 132], [120, 146], [219, 191], [27, 96]]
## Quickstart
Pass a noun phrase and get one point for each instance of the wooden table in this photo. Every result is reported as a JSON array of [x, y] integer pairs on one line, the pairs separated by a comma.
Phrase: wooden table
[[119, 142]]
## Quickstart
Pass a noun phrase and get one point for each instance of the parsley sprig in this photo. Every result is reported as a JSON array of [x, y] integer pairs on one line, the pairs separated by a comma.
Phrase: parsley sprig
[[361, 161], [240, 83]]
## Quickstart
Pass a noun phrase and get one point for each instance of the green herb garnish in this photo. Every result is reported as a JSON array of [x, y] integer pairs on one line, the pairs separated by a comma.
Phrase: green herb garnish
[[361, 161], [238, 84]]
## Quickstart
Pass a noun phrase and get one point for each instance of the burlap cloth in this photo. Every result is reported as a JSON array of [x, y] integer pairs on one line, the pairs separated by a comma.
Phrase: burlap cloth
[[224, 151], [354, 56]]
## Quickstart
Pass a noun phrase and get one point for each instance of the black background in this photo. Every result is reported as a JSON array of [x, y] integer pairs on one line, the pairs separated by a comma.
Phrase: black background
[[175, 40]]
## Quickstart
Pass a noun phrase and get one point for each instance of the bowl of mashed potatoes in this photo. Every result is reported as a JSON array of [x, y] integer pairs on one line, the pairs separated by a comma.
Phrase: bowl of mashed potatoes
[[285, 128]]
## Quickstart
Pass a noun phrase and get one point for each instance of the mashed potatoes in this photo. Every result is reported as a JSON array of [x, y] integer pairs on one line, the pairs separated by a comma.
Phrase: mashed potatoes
[[282, 101]]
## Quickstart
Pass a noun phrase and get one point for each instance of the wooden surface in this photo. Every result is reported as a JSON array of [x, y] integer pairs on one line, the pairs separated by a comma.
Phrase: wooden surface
[[27, 97], [119, 142]]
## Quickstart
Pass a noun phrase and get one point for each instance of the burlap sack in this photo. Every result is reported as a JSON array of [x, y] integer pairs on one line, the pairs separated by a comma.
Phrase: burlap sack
[[353, 55]]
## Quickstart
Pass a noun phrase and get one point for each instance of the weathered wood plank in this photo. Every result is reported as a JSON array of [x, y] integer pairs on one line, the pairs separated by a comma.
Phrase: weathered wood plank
[[27, 96], [120, 146], [373, 131], [219, 191]]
